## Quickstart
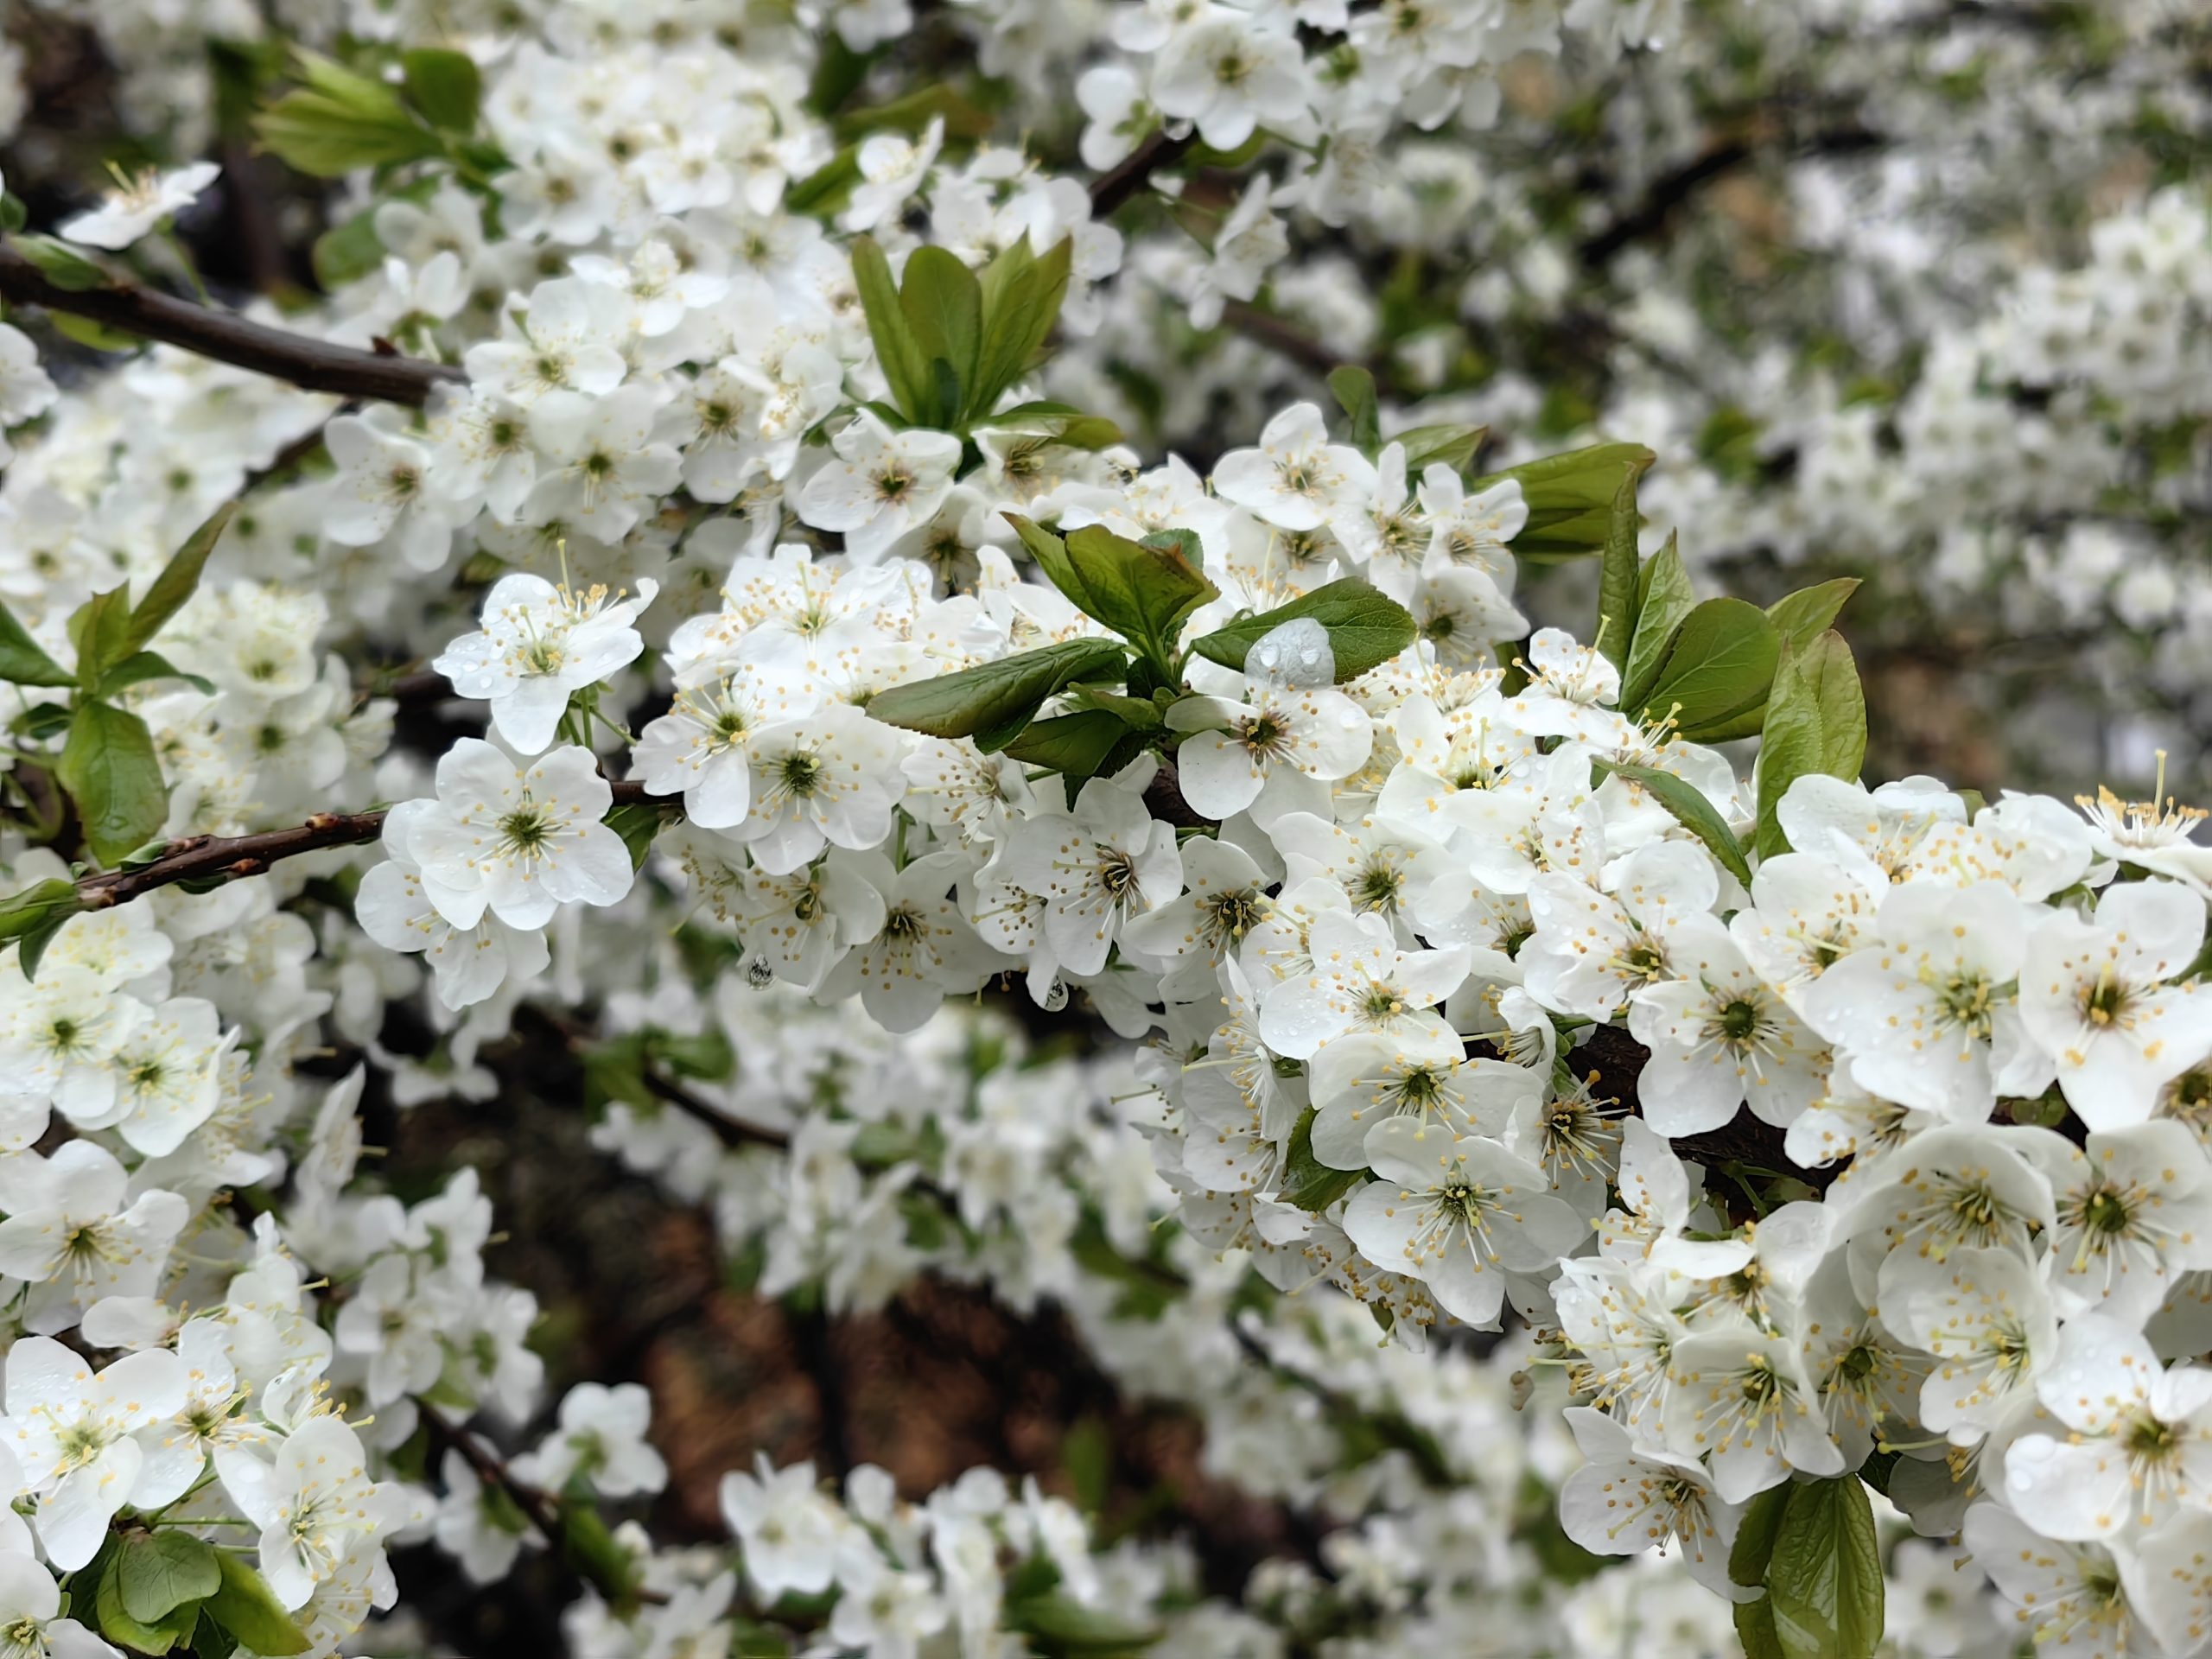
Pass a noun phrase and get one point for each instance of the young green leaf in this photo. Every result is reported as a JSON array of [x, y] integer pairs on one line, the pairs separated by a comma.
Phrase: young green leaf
[[1790, 745], [1619, 577], [1570, 498], [1828, 667], [59, 263], [1354, 391], [100, 629], [249, 1610], [905, 365], [1690, 809], [1719, 667], [1018, 313], [147, 665], [1141, 590], [31, 918], [1063, 1625], [639, 823], [1145, 590], [153, 1636], [1755, 1535], [1365, 628], [109, 767], [97, 335], [1306, 1181], [1663, 600], [445, 87], [985, 701], [1755, 1628], [157, 1573], [1453, 443], [23, 661], [943, 307], [1074, 745], [1825, 1576], [1805, 615], [178, 581], [1814, 722], [347, 251], [340, 120], [1139, 714]]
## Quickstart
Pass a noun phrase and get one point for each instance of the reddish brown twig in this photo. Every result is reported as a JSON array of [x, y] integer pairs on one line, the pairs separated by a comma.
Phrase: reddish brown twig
[[228, 858], [300, 360], [1122, 183]]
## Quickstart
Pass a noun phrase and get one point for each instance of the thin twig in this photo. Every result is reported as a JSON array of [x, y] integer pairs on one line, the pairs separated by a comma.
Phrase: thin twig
[[541, 1506], [228, 858], [1118, 184], [310, 364]]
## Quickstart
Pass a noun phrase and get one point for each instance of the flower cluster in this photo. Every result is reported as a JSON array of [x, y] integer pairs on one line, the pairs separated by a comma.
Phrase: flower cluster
[[782, 644]]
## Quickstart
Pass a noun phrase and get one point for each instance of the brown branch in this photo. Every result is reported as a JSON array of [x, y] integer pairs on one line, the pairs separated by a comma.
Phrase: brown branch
[[227, 858], [1672, 188], [312, 365], [1119, 183], [542, 1509]]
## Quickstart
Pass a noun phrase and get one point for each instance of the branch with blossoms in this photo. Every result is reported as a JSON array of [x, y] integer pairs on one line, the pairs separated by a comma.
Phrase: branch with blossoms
[[1390, 965]]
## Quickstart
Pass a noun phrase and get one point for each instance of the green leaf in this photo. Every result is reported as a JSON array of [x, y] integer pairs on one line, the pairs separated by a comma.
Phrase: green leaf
[[1452, 442], [824, 190], [340, 120], [96, 335], [1842, 700], [59, 263], [639, 823], [1720, 664], [943, 305], [147, 665], [913, 113], [1354, 391], [155, 1636], [1142, 590], [596, 1554], [706, 1057], [905, 365], [1185, 542], [994, 701], [1139, 714], [1755, 1629], [1306, 1181], [1570, 498], [14, 214], [249, 1610], [23, 661], [1663, 600], [1825, 1577], [1815, 722], [1019, 308], [110, 770], [1065, 1625], [1691, 810], [347, 253], [1619, 578], [41, 721], [1365, 628], [1755, 1533], [1074, 745], [100, 629], [33, 916], [210, 1640], [158, 1572], [1805, 615], [445, 87]]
